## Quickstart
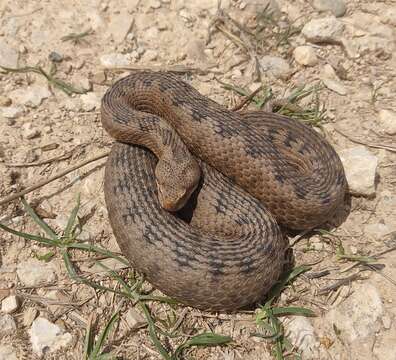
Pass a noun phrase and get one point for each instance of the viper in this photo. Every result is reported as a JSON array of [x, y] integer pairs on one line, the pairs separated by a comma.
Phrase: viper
[[196, 193]]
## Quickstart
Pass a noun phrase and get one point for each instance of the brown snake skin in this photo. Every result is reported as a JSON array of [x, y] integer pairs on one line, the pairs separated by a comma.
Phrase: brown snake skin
[[228, 251]]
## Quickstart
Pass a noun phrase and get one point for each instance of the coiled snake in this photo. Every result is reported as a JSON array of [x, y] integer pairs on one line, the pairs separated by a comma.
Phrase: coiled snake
[[224, 249]]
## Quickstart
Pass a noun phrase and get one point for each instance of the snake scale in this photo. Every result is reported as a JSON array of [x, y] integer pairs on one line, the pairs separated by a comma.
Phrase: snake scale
[[195, 192]]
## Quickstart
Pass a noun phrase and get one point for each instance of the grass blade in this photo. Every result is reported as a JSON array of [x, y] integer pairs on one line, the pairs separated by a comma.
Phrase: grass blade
[[47, 229], [205, 339], [358, 258], [103, 336], [72, 219], [292, 310], [89, 337], [73, 275], [40, 239], [153, 334], [99, 250], [285, 280], [60, 84]]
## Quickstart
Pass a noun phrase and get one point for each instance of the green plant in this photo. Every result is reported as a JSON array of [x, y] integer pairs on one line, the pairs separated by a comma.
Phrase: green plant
[[267, 318], [68, 240]]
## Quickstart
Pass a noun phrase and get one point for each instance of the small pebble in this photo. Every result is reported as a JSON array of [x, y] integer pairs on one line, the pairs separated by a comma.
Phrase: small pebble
[[32, 95], [150, 55], [336, 7], [55, 57], [10, 304], [47, 337], [11, 112], [5, 101], [305, 55], [388, 121], [360, 169], [85, 84], [114, 60], [29, 131], [331, 80], [324, 30], [134, 319], [35, 273], [275, 66], [23, 49], [7, 324]]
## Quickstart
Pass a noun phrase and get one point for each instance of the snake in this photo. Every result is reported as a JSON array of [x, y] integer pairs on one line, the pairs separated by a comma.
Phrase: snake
[[198, 195]]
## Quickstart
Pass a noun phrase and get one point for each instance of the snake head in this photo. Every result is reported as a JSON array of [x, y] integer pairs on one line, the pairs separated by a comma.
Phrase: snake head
[[177, 178]]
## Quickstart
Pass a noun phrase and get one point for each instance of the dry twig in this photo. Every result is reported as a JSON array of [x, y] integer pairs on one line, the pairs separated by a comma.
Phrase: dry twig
[[52, 178], [357, 141]]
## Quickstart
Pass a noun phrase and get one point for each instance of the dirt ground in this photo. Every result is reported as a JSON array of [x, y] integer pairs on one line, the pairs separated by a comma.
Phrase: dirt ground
[[44, 130]]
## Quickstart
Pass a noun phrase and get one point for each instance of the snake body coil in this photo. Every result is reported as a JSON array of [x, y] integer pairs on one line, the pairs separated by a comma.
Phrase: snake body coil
[[225, 250]]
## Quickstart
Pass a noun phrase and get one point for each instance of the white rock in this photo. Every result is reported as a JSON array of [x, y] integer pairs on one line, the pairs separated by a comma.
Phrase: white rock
[[337, 7], [114, 60], [109, 263], [251, 8], [47, 337], [134, 319], [358, 316], [8, 56], [335, 85], [377, 230], [275, 66], [150, 55], [90, 101], [34, 273], [10, 304], [85, 84], [331, 81], [30, 131], [351, 48], [360, 169], [388, 121], [301, 333], [7, 324], [71, 104], [305, 55], [7, 352], [11, 112], [327, 29], [31, 96]]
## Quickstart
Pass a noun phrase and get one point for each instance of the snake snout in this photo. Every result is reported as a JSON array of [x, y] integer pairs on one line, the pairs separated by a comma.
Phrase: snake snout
[[173, 200]]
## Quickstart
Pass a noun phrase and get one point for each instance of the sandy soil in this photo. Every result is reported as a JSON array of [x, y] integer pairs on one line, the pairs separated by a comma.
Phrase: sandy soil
[[45, 131]]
